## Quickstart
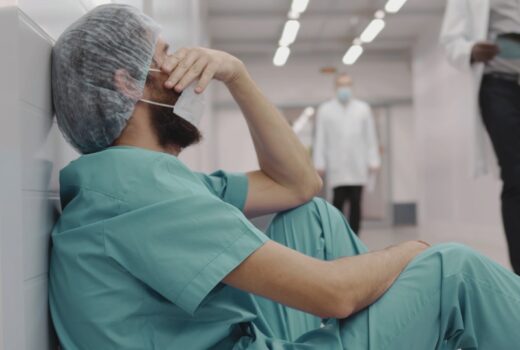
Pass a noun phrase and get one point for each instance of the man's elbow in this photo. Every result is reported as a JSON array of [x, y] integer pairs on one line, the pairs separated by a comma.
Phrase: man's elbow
[[310, 189], [337, 307], [336, 299], [317, 185]]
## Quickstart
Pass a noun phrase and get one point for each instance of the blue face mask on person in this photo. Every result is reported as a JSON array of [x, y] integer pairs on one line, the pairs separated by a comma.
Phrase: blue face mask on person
[[344, 94], [509, 48]]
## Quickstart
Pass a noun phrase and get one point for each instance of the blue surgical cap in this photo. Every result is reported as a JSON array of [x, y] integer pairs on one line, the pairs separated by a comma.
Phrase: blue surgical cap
[[91, 110]]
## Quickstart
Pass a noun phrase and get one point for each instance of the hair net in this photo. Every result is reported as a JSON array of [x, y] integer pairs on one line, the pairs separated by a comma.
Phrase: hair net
[[91, 111]]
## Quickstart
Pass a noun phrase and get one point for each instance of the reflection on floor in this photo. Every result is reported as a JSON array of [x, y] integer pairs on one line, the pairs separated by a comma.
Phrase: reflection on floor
[[491, 243]]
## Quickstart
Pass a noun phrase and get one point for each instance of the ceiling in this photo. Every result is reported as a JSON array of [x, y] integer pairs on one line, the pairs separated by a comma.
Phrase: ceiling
[[252, 28]]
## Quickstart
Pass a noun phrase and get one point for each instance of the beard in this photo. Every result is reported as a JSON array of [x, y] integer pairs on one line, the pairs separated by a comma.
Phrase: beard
[[172, 130]]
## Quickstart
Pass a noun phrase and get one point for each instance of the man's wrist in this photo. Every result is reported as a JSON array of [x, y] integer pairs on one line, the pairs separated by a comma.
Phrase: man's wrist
[[238, 76]]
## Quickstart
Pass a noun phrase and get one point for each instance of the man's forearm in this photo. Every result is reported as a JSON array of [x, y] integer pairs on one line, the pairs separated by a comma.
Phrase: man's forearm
[[280, 154], [365, 278]]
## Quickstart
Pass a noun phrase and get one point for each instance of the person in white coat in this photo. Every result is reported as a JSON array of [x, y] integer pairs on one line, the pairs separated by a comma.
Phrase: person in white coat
[[346, 150], [482, 39]]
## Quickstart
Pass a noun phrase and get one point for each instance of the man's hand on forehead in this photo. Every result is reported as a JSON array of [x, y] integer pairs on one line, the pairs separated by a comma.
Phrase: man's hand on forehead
[[187, 65]]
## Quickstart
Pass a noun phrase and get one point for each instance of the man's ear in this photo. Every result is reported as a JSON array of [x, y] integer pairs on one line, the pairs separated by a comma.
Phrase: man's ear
[[126, 84]]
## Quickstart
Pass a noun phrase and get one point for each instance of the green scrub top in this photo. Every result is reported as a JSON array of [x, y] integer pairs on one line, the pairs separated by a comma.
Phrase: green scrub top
[[140, 250]]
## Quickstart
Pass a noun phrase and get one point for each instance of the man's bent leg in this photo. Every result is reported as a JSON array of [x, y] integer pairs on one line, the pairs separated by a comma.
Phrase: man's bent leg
[[449, 297], [316, 229]]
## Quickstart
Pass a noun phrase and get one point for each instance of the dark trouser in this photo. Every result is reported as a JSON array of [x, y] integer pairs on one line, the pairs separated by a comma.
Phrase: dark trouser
[[500, 105], [353, 195]]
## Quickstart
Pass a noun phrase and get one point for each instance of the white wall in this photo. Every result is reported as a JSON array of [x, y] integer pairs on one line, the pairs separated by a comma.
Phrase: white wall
[[403, 154], [452, 203], [32, 151]]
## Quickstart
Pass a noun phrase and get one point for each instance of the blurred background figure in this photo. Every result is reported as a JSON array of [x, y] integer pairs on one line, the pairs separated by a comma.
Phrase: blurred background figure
[[346, 150], [482, 38]]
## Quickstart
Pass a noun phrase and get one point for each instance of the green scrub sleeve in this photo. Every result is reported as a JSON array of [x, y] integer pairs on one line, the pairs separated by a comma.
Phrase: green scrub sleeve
[[183, 247], [232, 188]]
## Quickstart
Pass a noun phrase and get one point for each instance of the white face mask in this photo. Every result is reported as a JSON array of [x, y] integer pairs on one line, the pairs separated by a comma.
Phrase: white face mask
[[189, 106]]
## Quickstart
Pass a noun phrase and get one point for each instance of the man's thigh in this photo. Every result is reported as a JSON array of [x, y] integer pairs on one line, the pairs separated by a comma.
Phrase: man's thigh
[[315, 229], [406, 317], [449, 297]]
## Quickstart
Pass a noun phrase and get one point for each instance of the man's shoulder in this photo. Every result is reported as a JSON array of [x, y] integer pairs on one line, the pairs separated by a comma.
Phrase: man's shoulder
[[93, 168], [362, 107], [125, 173], [361, 103], [327, 104]]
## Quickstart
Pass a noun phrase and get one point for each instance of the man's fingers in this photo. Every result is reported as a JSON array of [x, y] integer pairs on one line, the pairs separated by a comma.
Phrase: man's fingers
[[186, 65], [492, 50], [206, 77], [489, 47], [194, 72], [181, 68], [485, 51], [171, 61]]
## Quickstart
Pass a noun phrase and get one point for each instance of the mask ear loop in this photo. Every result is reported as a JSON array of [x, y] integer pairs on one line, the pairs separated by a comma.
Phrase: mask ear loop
[[157, 103], [153, 102]]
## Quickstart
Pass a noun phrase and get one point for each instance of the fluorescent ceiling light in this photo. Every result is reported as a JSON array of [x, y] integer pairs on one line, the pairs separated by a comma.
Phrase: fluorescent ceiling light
[[372, 30], [299, 5], [281, 56], [393, 6], [290, 31], [293, 15], [352, 54]]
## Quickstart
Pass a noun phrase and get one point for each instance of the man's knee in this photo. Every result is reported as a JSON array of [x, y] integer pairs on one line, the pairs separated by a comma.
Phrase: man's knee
[[316, 211], [321, 225], [456, 257], [454, 250], [300, 228], [309, 217], [441, 261], [309, 209]]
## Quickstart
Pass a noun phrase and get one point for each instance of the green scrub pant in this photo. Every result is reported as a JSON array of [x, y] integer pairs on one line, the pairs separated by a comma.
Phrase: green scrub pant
[[449, 297]]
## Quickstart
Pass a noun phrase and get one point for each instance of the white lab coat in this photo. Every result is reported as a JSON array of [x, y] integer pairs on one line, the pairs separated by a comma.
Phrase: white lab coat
[[466, 22], [346, 143]]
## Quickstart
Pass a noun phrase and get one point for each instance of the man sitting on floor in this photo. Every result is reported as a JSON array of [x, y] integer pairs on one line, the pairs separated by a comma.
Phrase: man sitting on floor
[[151, 255]]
